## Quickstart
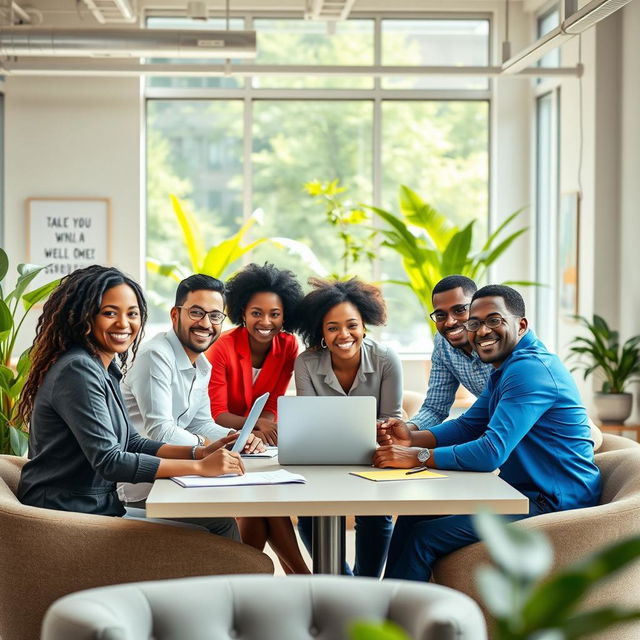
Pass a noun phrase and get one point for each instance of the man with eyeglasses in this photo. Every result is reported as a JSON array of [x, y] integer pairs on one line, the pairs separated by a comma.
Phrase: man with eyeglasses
[[453, 361], [166, 389], [529, 422]]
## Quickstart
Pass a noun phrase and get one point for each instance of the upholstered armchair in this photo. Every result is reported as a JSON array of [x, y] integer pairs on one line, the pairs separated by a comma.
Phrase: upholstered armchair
[[577, 533], [45, 554]]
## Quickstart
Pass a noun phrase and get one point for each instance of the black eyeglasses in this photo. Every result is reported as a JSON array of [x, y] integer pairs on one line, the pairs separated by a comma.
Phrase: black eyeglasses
[[457, 312], [473, 324], [197, 313]]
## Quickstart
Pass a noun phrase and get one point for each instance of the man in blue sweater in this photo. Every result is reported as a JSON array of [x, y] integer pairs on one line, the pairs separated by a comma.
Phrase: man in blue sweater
[[529, 422], [453, 361]]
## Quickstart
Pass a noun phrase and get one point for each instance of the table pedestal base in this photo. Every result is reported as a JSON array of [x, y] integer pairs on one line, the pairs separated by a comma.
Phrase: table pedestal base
[[328, 544]]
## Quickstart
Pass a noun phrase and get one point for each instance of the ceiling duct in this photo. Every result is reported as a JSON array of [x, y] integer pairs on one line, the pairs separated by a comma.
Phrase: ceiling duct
[[111, 11], [127, 43], [328, 10]]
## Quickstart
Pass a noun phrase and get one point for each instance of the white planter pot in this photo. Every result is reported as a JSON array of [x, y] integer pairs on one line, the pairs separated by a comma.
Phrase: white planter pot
[[613, 408]]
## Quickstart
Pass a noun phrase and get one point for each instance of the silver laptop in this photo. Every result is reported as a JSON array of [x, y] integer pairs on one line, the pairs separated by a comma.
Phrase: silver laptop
[[326, 429]]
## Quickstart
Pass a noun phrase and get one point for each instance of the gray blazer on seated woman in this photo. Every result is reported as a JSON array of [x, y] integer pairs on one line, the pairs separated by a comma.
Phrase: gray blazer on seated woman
[[341, 360], [81, 441]]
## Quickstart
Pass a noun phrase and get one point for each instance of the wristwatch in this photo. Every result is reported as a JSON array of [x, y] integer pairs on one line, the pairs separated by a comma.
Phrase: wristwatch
[[423, 455]]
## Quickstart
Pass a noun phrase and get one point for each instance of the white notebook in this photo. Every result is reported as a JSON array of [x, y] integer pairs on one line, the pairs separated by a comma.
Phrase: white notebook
[[265, 477], [271, 452]]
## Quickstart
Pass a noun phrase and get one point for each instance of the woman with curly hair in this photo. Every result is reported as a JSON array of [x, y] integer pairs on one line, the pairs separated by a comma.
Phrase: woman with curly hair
[[81, 441], [341, 361], [255, 358]]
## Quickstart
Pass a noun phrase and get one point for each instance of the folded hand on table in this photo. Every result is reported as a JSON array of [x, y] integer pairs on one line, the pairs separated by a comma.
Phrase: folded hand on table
[[393, 431], [396, 456]]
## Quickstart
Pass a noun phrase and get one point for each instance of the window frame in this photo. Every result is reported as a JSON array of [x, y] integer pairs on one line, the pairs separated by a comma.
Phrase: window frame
[[249, 95]]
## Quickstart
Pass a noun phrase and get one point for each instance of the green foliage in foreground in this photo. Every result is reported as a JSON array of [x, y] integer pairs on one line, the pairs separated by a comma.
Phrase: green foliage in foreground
[[523, 603], [14, 307], [601, 353], [526, 606]]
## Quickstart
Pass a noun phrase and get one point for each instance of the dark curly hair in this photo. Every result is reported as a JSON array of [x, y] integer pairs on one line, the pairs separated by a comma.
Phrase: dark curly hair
[[66, 321], [326, 294], [268, 278]]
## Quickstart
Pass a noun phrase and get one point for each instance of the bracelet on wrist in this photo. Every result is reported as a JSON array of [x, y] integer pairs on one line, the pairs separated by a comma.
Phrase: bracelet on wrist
[[193, 452]]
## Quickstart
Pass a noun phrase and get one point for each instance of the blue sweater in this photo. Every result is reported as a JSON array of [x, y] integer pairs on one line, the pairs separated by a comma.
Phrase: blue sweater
[[529, 422]]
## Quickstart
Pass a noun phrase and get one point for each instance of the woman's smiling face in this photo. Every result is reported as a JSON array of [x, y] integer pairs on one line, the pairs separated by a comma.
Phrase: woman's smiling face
[[117, 323], [343, 331], [264, 316]]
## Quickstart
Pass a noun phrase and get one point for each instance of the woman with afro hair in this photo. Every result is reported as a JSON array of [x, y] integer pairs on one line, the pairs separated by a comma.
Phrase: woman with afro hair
[[341, 360], [255, 358]]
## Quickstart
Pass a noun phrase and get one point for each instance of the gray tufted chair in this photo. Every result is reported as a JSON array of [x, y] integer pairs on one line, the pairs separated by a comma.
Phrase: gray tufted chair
[[261, 608]]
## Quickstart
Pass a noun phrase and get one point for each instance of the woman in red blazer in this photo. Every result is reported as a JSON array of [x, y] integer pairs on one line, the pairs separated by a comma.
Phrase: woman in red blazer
[[255, 358]]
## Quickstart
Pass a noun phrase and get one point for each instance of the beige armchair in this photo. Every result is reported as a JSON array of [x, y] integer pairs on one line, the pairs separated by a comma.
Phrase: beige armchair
[[45, 554], [577, 533]]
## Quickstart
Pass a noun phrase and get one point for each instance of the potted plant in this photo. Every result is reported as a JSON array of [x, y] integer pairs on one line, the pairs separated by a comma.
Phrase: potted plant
[[601, 353], [14, 307]]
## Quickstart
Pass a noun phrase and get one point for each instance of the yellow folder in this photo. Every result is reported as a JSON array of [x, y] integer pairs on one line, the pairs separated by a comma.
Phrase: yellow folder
[[396, 474]]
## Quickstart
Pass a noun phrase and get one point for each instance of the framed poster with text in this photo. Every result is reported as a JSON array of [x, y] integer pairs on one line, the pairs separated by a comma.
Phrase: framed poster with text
[[65, 234]]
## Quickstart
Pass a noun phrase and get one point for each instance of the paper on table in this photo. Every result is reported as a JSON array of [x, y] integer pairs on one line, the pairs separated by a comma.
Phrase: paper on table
[[265, 477], [271, 452], [396, 474]]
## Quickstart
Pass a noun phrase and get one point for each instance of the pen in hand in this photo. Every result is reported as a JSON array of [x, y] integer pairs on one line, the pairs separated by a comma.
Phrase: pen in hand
[[418, 470]]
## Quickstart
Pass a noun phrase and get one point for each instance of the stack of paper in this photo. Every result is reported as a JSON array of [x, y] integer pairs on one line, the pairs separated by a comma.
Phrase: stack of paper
[[266, 477]]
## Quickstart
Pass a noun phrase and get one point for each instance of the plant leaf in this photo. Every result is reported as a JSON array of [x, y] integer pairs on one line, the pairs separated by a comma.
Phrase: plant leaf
[[4, 264], [456, 255], [553, 599], [523, 553], [6, 318], [27, 273], [496, 591], [6, 377], [171, 270], [35, 296], [385, 630], [192, 236], [19, 441], [591, 622]]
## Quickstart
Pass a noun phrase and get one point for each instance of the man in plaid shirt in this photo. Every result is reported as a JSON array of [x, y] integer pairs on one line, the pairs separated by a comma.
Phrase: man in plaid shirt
[[453, 362]]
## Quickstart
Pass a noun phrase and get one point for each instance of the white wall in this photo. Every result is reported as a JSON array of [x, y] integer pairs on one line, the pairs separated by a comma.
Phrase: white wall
[[75, 137], [629, 200]]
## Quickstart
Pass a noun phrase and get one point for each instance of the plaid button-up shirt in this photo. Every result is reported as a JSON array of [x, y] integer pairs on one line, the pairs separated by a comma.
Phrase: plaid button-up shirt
[[450, 368]]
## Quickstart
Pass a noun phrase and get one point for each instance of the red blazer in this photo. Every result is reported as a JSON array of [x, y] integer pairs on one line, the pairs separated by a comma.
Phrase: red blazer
[[231, 388]]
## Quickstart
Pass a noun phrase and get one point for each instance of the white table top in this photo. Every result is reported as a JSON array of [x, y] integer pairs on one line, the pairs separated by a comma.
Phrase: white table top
[[331, 491]]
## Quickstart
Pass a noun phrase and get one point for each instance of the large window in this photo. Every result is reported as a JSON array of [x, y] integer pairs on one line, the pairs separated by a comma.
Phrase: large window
[[228, 146], [546, 213]]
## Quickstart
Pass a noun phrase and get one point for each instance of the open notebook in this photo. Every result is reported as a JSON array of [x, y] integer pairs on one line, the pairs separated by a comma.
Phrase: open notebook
[[265, 477]]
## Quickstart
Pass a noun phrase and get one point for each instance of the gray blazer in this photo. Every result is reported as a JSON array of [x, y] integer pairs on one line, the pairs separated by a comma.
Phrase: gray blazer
[[379, 375], [81, 441]]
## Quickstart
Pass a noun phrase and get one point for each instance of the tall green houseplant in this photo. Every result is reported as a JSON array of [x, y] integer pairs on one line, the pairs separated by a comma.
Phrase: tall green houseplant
[[14, 307], [218, 260], [432, 247]]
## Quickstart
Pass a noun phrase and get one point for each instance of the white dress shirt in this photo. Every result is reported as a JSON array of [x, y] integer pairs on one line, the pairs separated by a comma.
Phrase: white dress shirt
[[167, 399]]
